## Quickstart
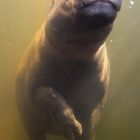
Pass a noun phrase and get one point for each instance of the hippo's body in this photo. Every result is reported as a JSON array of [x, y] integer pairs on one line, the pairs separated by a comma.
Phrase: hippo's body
[[63, 77]]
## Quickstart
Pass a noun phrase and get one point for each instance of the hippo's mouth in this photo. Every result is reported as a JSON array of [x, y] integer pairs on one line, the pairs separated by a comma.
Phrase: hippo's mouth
[[96, 13], [88, 3]]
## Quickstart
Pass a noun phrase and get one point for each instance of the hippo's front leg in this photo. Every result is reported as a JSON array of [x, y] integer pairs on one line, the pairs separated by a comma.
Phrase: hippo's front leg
[[60, 118]]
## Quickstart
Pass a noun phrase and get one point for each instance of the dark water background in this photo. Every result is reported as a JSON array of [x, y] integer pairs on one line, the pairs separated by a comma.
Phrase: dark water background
[[19, 21]]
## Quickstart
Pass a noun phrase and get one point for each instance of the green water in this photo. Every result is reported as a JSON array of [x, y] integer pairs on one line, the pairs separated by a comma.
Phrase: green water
[[19, 21]]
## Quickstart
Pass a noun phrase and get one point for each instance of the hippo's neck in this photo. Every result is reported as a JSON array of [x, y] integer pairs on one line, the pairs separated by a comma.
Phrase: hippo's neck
[[76, 55], [73, 45], [81, 55]]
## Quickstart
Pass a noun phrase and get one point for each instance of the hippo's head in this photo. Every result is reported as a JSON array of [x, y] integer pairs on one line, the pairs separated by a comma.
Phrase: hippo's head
[[81, 22]]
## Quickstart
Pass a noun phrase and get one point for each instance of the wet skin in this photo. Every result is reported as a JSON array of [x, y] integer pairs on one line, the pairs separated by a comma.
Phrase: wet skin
[[62, 80]]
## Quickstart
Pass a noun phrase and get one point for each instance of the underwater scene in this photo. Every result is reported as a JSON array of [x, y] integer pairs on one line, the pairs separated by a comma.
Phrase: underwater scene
[[20, 20]]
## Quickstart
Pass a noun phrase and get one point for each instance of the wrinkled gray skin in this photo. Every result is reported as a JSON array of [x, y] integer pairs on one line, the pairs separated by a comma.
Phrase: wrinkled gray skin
[[63, 77]]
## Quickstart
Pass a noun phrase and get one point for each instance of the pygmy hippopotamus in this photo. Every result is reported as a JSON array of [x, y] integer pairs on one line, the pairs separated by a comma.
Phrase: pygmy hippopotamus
[[62, 80]]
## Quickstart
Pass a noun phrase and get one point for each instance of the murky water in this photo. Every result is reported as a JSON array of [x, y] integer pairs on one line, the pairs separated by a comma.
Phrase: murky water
[[19, 20]]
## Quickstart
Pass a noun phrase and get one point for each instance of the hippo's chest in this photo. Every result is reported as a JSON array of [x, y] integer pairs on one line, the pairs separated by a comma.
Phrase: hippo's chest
[[77, 83]]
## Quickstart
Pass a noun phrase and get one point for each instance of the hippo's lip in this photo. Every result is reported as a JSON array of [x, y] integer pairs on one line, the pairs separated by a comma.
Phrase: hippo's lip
[[85, 3]]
